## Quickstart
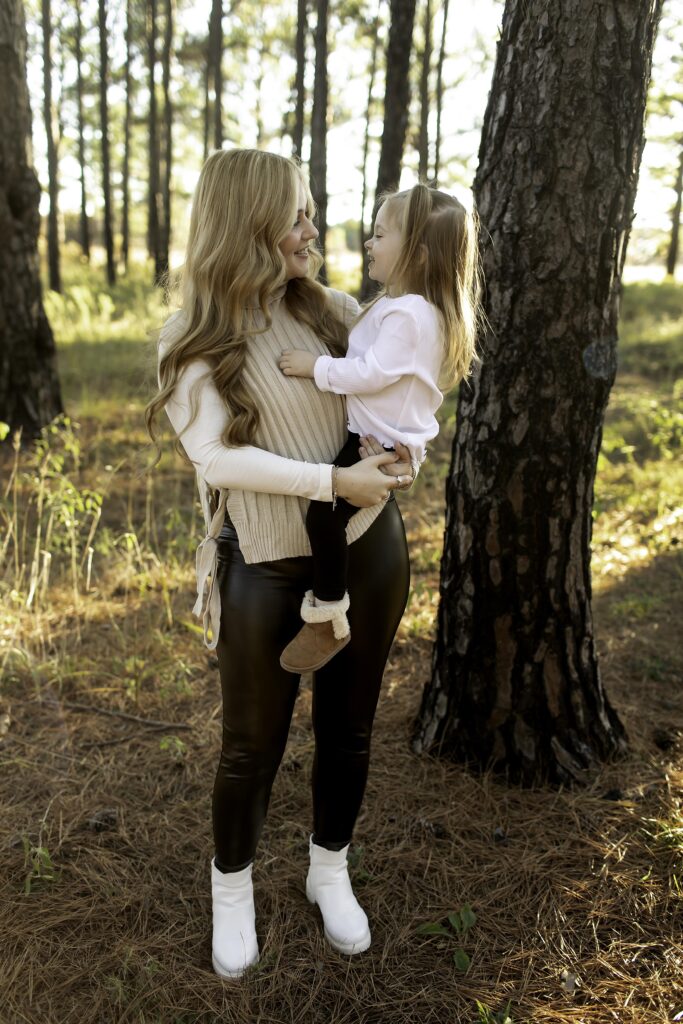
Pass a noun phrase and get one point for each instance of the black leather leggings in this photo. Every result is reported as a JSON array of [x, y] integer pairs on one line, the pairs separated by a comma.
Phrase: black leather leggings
[[260, 614]]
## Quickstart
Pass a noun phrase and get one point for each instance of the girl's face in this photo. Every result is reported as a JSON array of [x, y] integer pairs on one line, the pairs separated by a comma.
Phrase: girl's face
[[384, 246], [294, 246]]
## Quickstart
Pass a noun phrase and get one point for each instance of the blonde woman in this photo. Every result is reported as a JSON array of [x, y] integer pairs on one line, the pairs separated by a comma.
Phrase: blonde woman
[[263, 447]]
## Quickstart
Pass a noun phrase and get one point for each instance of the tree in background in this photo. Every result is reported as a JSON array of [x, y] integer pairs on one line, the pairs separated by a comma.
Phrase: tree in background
[[84, 224], [665, 123], [396, 106], [515, 681], [397, 94], [162, 263], [52, 156], [29, 387], [439, 92], [374, 50], [108, 226], [425, 95], [214, 76], [127, 117], [299, 81], [318, 161]]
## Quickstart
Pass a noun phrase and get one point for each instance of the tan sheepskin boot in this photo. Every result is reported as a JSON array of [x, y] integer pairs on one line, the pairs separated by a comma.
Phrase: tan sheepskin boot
[[325, 631]]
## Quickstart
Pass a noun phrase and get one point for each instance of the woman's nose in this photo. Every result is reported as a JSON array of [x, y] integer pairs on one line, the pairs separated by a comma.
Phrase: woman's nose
[[311, 231]]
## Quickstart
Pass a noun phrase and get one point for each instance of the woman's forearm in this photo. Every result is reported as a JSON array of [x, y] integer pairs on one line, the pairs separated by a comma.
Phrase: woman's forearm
[[244, 467]]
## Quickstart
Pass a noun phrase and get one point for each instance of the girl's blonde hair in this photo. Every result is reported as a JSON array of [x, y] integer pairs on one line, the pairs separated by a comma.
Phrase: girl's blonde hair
[[439, 259], [244, 205]]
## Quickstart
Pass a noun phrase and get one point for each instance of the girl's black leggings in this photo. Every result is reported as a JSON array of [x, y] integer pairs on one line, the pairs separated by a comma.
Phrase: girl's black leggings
[[260, 614]]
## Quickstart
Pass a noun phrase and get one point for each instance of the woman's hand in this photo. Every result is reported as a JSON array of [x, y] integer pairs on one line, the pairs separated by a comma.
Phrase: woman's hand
[[365, 483], [402, 467], [294, 362]]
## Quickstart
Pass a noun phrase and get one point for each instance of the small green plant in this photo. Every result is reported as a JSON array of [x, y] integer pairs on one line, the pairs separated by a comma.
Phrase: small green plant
[[355, 859], [174, 746], [37, 863], [459, 923], [488, 1016]]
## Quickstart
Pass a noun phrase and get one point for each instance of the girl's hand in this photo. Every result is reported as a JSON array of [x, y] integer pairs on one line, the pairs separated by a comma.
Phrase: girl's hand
[[365, 483], [294, 362], [402, 467]]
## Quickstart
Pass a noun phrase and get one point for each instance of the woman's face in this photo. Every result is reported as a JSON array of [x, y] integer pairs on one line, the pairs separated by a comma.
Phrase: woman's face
[[384, 246], [294, 247]]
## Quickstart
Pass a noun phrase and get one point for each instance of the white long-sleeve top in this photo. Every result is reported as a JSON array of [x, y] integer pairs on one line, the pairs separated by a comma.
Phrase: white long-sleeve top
[[390, 373], [266, 486]]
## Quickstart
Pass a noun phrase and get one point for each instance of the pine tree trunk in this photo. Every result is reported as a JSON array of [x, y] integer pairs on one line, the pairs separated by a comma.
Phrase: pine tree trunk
[[515, 678], [125, 174], [672, 253], [423, 145], [29, 386], [363, 234], [162, 262], [84, 224], [318, 161], [396, 107], [104, 128], [299, 83], [153, 144], [52, 164], [207, 102], [397, 96], [216, 51], [439, 95]]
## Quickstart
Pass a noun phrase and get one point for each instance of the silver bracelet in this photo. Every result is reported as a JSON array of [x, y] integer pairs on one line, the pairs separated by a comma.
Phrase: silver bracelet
[[335, 470]]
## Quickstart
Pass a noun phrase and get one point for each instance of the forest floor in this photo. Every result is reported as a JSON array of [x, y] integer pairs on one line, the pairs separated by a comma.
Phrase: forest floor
[[567, 906]]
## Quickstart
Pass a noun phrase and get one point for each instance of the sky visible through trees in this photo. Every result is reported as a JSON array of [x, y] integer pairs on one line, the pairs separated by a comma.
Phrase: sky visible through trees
[[257, 99]]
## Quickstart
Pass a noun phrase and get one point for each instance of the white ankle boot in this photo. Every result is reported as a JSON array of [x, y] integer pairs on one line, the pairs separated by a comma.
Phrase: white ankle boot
[[328, 885], [234, 945]]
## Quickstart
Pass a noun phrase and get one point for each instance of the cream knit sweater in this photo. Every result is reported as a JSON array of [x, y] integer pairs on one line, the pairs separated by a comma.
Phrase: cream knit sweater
[[265, 486]]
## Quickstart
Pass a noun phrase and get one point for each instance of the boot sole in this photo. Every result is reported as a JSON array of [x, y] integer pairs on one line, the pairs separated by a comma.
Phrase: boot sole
[[343, 947], [225, 973], [301, 669]]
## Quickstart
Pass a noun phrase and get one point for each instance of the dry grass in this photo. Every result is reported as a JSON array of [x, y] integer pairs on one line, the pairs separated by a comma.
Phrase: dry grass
[[105, 831]]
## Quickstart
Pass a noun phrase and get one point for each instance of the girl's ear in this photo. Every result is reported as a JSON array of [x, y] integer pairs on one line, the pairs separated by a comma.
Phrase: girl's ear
[[422, 254]]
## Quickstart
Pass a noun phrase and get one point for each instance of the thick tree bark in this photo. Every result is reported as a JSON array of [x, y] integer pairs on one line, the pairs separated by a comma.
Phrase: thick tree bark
[[672, 253], [516, 682], [425, 70], [318, 161], [153, 142], [125, 174], [104, 128], [396, 107], [52, 163], [162, 262], [299, 82], [84, 224], [439, 95], [29, 386], [366, 140]]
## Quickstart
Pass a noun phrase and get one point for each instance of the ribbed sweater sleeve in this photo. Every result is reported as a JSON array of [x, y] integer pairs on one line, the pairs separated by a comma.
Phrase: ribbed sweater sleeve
[[246, 467]]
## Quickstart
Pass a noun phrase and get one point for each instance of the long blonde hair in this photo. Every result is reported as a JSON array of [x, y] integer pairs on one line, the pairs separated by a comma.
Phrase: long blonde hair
[[244, 205], [439, 259]]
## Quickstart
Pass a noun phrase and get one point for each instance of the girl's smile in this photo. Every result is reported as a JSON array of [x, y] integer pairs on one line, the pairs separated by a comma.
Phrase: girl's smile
[[383, 247]]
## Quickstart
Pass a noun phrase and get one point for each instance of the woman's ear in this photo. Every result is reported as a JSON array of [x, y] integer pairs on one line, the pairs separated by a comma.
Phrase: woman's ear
[[422, 254]]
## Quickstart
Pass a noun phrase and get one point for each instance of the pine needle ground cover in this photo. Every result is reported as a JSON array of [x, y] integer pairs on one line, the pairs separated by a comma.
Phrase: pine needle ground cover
[[487, 903]]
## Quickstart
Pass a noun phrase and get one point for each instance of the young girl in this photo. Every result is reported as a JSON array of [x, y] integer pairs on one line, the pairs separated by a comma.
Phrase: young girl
[[415, 339]]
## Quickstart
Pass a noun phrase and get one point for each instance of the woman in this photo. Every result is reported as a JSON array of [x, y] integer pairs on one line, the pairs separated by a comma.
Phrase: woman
[[263, 445]]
